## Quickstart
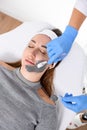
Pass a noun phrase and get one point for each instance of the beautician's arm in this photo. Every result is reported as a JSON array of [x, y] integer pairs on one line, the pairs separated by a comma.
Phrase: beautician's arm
[[58, 48], [77, 18]]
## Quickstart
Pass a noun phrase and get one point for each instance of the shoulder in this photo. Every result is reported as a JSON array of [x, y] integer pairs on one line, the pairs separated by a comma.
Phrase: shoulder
[[48, 113], [45, 97], [6, 65]]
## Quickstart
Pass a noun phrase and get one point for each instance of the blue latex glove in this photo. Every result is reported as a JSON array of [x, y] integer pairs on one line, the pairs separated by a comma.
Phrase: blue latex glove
[[58, 48], [75, 103]]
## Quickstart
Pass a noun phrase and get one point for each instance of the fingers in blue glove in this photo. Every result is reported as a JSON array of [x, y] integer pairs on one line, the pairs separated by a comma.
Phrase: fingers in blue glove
[[57, 59], [75, 103], [70, 98], [70, 106], [61, 44], [50, 61], [54, 54], [68, 95]]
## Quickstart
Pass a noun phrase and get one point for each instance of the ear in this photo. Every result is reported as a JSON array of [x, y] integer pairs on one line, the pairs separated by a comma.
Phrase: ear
[[51, 66]]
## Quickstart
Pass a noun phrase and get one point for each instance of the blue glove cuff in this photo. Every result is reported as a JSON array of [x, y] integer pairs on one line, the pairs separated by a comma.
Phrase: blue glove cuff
[[71, 31]]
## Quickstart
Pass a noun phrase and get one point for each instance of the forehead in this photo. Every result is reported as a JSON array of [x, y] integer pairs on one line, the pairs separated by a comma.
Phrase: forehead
[[41, 39]]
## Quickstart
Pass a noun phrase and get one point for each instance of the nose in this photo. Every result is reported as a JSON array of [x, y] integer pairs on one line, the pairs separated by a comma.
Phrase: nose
[[35, 52]]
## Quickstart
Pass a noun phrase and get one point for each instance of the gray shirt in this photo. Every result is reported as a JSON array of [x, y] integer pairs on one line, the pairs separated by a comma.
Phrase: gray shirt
[[21, 108]]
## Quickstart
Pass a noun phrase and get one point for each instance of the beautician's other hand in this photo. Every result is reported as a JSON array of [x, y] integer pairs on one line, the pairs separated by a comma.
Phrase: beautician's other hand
[[75, 103], [59, 47]]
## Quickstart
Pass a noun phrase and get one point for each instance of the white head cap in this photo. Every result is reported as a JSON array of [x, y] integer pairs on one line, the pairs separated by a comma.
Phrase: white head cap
[[49, 33]]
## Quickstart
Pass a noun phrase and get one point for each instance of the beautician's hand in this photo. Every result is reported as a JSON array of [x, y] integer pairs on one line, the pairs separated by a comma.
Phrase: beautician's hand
[[75, 103], [58, 48]]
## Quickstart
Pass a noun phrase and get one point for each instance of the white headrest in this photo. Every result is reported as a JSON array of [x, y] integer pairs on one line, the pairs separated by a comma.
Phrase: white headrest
[[13, 42]]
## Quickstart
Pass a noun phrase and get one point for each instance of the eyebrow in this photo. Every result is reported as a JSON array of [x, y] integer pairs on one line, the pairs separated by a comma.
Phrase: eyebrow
[[33, 41], [41, 45]]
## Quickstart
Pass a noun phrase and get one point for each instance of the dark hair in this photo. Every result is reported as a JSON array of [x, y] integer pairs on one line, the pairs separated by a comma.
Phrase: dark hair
[[47, 78]]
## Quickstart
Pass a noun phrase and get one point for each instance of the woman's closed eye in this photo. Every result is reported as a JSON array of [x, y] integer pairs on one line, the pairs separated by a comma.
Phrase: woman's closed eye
[[43, 52], [31, 46]]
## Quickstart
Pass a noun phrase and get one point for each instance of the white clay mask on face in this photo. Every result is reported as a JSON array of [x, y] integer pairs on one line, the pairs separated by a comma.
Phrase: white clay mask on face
[[39, 67]]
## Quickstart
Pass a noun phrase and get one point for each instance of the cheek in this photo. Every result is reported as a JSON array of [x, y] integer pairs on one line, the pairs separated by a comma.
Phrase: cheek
[[24, 55], [25, 52], [45, 58], [42, 57]]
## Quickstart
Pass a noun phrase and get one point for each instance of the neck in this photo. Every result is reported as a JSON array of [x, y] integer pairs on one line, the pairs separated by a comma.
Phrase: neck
[[31, 76]]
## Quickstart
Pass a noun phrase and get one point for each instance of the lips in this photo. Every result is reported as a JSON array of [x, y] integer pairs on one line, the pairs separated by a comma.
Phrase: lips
[[29, 62]]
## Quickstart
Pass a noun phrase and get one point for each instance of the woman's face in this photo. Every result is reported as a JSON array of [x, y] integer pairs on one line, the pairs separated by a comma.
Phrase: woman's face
[[35, 51]]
